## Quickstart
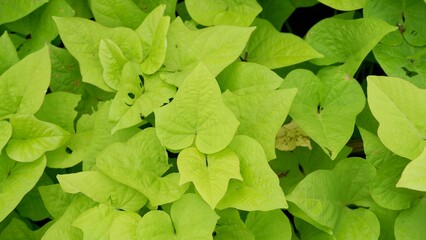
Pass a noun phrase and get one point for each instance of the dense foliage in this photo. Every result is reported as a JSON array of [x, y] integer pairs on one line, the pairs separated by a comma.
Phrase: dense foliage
[[212, 119]]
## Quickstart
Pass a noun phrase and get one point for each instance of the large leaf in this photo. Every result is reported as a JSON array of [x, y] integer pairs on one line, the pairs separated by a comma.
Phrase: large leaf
[[117, 13], [343, 5], [192, 219], [8, 55], [55, 200], [5, 133], [406, 14], [414, 175], [152, 33], [140, 164], [16, 9], [260, 188], [385, 190], [210, 174], [409, 224], [223, 12], [271, 225], [107, 218], [39, 25], [62, 228], [323, 199], [17, 179], [31, 138], [196, 115], [58, 108], [216, 46], [346, 41], [398, 107], [404, 61], [269, 47], [230, 226], [261, 114], [325, 108], [102, 189], [84, 45], [23, 86]]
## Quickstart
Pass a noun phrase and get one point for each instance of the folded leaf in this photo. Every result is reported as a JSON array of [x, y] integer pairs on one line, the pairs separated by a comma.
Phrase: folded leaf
[[31, 138]]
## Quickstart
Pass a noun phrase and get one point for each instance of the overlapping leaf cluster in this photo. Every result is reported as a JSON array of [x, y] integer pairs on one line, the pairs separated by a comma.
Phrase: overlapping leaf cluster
[[155, 119]]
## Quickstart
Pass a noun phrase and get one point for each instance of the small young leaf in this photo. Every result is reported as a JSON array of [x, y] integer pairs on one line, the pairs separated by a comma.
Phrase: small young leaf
[[291, 136], [210, 176], [196, 115], [260, 188], [113, 61]]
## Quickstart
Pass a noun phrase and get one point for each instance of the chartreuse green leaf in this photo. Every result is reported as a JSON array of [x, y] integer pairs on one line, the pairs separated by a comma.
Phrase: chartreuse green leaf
[[309, 232], [102, 189], [16, 180], [125, 226], [40, 26], [406, 14], [17, 229], [58, 108], [210, 174], [252, 90], [106, 217], [117, 13], [149, 6], [410, 223], [152, 33], [260, 188], [223, 12], [230, 226], [414, 175], [5, 133], [216, 47], [343, 5], [197, 115], [404, 61], [140, 164], [269, 47], [133, 103], [66, 75], [32, 206], [398, 107], [192, 219], [323, 199], [31, 138], [8, 55], [92, 136], [16, 9], [84, 45], [387, 221], [273, 225], [62, 228], [360, 37], [23, 85], [55, 200], [383, 189], [113, 61], [246, 78], [318, 103]]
